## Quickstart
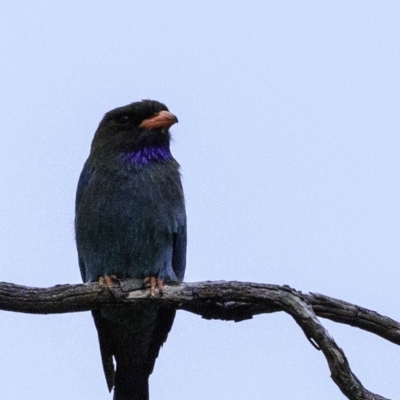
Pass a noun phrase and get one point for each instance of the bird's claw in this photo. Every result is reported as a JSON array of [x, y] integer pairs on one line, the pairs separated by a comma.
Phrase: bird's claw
[[153, 283], [108, 280]]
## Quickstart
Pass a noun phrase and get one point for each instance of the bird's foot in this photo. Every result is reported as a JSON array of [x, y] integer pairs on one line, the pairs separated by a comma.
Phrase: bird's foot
[[154, 282], [108, 280]]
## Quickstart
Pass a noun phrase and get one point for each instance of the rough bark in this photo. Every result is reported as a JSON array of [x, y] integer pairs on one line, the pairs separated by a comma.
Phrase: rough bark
[[235, 301]]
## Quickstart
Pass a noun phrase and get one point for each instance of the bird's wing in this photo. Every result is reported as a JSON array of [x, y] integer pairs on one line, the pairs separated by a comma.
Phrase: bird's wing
[[83, 182], [106, 349], [179, 246], [84, 179], [165, 319], [166, 316]]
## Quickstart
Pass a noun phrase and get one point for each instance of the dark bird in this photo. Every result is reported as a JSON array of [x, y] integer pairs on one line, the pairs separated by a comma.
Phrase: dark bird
[[131, 223]]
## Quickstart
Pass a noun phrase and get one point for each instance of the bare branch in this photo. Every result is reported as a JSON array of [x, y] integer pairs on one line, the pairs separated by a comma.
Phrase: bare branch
[[225, 301], [351, 314]]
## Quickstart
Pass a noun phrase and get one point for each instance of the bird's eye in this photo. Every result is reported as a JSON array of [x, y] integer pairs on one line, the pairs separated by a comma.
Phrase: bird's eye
[[123, 119]]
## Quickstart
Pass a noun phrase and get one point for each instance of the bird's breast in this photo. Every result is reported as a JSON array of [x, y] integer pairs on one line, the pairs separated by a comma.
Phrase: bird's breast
[[126, 220]]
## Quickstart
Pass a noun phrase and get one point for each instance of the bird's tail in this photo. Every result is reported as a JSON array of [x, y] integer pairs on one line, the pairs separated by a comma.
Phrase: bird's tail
[[131, 383], [133, 337]]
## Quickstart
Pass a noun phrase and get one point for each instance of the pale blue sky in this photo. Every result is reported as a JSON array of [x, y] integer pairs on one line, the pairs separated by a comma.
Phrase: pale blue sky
[[289, 143]]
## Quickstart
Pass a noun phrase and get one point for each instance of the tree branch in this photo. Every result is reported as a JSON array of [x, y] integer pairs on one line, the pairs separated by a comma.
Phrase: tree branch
[[351, 314], [222, 300]]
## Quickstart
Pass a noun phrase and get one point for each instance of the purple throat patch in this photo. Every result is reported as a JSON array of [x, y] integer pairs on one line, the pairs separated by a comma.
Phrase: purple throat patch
[[148, 155]]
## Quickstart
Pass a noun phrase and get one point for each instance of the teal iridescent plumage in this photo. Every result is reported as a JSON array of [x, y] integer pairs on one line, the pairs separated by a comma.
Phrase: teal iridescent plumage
[[131, 222]]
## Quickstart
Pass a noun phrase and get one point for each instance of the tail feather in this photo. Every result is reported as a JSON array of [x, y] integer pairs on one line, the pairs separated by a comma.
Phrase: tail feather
[[133, 337], [131, 384]]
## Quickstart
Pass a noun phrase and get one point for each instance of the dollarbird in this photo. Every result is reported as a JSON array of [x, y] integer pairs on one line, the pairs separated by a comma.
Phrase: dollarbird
[[131, 223]]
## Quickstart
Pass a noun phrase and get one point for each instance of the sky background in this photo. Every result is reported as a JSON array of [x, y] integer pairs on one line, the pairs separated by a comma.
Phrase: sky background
[[289, 143]]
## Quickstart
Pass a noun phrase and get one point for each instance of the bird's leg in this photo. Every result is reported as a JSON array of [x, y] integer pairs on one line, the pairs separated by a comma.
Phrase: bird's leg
[[108, 280], [154, 282]]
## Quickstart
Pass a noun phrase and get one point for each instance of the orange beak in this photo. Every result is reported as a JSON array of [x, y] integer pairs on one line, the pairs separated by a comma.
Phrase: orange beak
[[164, 119]]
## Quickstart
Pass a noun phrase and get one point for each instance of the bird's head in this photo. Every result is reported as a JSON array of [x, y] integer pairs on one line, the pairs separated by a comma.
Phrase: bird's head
[[137, 128]]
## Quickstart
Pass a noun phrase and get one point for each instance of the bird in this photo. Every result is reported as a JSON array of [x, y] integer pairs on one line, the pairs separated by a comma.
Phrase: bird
[[130, 223]]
